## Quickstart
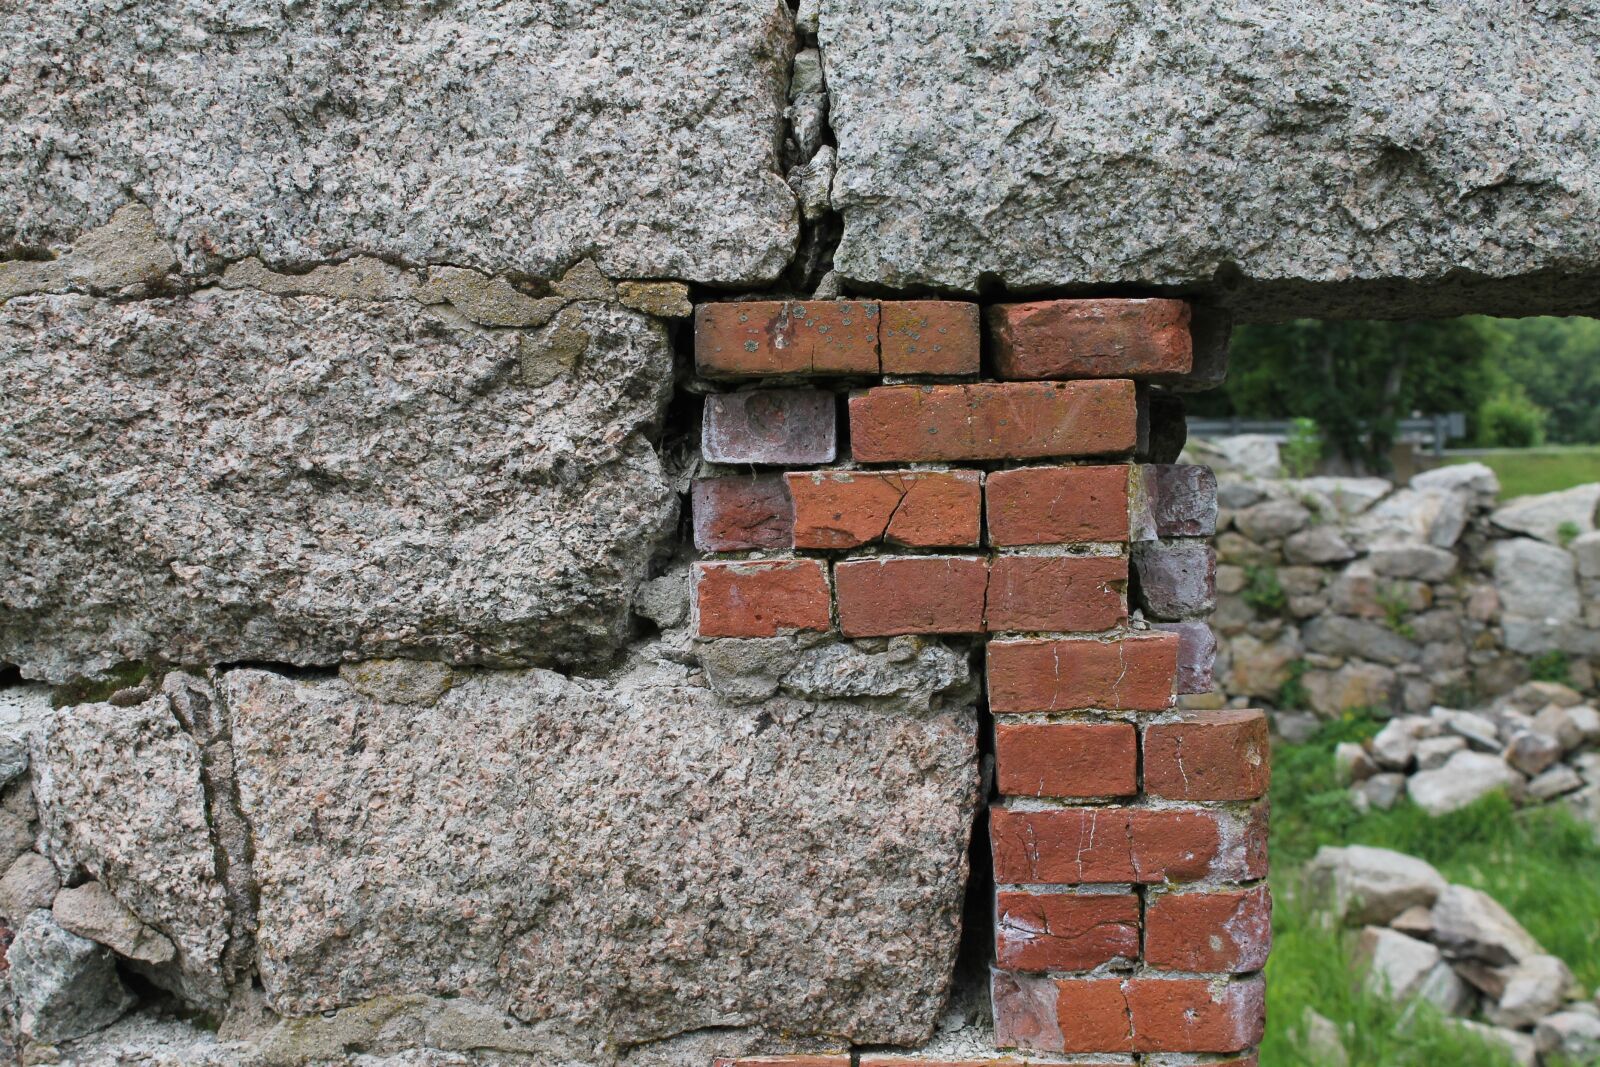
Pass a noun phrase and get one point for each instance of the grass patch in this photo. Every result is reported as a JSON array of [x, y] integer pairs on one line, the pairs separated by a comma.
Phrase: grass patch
[[1542, 863], [1538, 470]]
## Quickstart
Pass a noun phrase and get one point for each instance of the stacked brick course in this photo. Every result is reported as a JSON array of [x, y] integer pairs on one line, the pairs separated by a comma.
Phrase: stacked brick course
[[1128, 838]]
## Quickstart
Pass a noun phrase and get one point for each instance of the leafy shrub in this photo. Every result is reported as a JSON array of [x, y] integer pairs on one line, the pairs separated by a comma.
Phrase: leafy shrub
[[1551, 666], [1263, 592], [1508, 419], [1303, 450]]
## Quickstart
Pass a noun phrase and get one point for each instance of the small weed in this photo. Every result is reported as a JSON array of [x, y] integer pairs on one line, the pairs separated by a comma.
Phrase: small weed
[[1553, 666], [1303, 450], [1263, 592], [1396, 607], [1292, 694], [1568, 532]]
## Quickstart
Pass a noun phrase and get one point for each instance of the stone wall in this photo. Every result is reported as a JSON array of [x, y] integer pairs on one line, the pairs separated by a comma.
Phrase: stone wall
[[1340, 593], [351, 704]]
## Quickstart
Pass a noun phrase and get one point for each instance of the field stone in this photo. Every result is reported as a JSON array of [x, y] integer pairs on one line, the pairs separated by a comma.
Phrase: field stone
[[1434, 752], [1544, 516], [507, 845], [1470, 924], [1572, 1034], [1318, 545], [22, 708], [29, 883], [1466, 777], [1536, 580], [1532, 753], [1557, 781], [287, 479], [481, 134], [121, 801], [1423, 562], [65, 986], [1370, 886], [1271, 520], [1518, 1047], [1381, 791], [1395, 965], [1443, 988], [957, 167], [1475, 478], [1535, 988]]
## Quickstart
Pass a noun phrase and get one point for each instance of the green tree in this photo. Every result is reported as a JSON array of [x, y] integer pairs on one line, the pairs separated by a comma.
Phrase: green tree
[[1556, 362], [1359, 378]]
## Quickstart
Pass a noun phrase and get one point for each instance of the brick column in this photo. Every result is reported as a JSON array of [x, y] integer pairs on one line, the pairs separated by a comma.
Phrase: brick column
[[1128, 837]]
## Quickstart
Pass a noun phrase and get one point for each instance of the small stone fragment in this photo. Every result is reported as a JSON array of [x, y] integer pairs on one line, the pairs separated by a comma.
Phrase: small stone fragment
[[30, 882], [125, 251], [583, 281], [91, 911], [358, 278], [664, 300], [1535, 988], [554, 351]]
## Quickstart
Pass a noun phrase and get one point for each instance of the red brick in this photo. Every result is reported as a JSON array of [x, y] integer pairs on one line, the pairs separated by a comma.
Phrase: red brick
[[1057, 505], [1060, 759], [1133, 673], [929, 337], [734, 514], [769, 338], [924, 509], [1197, 654], [1061, 594], [783, 1061], [869, 1059], [892, 595], [992, 420], [1064, 931], [1208, 755], [1111, 1015], [1073, 846], [761, 598], [1223, 932], [776, 426], [1091, 338], [1174, 500]]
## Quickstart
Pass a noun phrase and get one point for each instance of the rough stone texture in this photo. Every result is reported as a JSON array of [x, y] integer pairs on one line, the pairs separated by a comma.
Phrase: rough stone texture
[[615, 861], [478, 134], [1552, 517], [29, 883], [1465, 777], [120, 800], [65, 985], [1399, 162], [22, 709], [1365, 885], [1534, 988], [1470, 924], [303, 480], [91, 911], [1396, 965]]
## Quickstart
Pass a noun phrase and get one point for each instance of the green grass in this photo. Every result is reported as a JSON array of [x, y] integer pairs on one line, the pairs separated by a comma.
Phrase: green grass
[[1543, 864], [1538, 470]]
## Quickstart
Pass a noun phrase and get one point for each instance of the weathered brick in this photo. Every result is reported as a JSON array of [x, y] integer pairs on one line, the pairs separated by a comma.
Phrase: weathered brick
[[1057, 505], [1225, 932], [761, 598], [770, 338], [992, 420], [923, 509], [1072, 846], [1077, 760], [929, 337], [1208, 755], [1064, 931], [734, 514], [1134, 673], [890, 595], [1197, 654], [1063, 594], [1109, 1015], [841, 1060], [1174, 500], [1175, 580], [774, 426], [869, 1059], [1091, 338]]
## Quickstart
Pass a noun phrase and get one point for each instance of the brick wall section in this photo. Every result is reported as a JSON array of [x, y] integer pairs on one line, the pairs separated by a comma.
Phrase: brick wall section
[[1128, 838]]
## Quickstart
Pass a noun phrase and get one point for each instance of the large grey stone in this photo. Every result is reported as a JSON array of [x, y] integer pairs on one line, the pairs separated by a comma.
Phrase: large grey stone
[[1477, 479], [1435, 517], [307, 480], [1555, 518], [1395, 965], [1573, 1034], [22, 709], [1365, 885], [611, 861], [1534, 988], [121, 801], [1538, 588], [66, 986], [1342, 158], [1340, 635], [508, 137], [1470, 924], [1465, 777]]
